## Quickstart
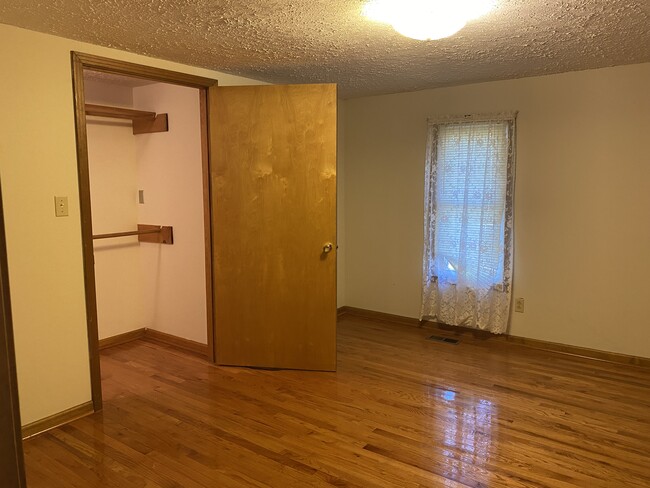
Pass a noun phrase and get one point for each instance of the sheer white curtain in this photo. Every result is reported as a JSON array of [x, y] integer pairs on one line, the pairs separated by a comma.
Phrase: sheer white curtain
[[468, 235]]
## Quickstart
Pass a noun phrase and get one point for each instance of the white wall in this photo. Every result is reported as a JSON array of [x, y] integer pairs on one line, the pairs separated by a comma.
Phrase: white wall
[[170, 173], [113, 181], [582, 204], [38, 161]]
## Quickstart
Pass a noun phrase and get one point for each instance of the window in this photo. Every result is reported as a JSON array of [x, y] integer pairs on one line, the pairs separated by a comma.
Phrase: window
[[468, 218]]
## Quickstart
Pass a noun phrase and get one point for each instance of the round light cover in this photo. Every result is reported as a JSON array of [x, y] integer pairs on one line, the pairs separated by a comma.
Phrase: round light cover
[[427, 19]]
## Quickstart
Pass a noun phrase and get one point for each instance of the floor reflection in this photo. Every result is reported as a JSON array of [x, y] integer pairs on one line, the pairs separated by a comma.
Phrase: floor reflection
[[469, 431]]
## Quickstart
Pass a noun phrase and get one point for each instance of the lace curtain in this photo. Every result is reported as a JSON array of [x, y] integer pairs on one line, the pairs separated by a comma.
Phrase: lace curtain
[[468, 218]]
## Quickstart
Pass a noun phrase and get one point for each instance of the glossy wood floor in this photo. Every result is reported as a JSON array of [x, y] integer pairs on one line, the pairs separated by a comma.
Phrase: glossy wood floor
[[400, 412]]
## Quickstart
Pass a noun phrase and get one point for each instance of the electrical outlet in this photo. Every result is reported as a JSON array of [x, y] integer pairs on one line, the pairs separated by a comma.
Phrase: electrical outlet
[[61, 206], [519, 305]]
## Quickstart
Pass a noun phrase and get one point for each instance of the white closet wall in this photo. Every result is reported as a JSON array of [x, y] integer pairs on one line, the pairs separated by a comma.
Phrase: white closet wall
[[170, 173]]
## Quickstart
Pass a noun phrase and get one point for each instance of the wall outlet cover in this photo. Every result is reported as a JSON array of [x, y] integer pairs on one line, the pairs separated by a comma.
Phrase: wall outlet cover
[[61, 206], [519, 305]]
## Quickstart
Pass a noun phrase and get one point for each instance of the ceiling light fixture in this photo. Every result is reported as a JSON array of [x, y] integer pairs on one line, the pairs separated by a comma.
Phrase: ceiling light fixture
[[427, 19]]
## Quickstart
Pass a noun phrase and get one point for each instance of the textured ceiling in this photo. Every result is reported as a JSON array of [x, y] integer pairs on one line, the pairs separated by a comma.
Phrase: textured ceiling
[[309, 41]]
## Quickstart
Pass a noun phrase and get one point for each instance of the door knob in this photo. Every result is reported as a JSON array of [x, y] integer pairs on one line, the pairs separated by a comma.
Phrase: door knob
[[328, 247]]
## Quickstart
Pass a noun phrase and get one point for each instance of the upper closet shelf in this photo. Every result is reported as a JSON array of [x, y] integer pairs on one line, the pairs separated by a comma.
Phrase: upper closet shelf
[[143, 122]]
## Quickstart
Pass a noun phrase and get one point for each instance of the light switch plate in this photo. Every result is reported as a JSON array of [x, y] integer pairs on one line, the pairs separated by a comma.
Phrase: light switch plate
[[61, 206]]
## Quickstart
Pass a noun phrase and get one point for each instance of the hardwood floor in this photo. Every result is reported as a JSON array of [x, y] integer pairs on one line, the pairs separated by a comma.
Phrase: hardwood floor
[[400, 412]]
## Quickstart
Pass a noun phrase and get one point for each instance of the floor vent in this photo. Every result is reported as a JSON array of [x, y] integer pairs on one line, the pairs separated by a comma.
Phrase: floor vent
[[446, 340]]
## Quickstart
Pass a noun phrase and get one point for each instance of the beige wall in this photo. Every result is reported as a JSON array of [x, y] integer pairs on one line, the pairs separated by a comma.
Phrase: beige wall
[[170, 173], [37, 162], [582, 239]]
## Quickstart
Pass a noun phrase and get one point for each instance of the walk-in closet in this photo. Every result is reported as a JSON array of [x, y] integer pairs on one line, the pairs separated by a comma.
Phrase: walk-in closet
[[148, 210]]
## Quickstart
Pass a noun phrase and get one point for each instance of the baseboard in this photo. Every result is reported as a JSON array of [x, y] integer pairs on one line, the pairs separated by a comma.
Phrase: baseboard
[[121, 338], [56, 420], [380, 316], [611, 357], [179, 342], [155, 336]]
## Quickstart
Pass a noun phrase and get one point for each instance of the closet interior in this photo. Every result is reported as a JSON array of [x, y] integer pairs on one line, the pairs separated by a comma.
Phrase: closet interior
[[148, 209]]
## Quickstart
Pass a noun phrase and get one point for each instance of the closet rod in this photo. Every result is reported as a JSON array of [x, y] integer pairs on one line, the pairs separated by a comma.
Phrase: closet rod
[[157, 234], [129, 233]]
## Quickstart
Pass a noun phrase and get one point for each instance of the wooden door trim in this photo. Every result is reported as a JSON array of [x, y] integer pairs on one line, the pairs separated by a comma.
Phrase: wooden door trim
[[81, 61], [207, 217], [107, 65], [12, 467]]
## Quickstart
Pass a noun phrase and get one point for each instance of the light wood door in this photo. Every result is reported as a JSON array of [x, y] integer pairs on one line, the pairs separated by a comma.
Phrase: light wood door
[[273, 184]]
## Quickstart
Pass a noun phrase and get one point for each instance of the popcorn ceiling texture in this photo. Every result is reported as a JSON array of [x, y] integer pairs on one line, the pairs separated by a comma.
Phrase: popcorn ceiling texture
[[315, 41]]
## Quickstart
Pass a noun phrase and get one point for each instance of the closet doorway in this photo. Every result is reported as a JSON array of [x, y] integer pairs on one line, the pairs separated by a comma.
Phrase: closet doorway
[[146, 187], [145, 206]]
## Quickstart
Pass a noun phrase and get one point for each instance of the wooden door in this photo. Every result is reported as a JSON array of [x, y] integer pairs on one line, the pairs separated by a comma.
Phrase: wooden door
[[273, 187]]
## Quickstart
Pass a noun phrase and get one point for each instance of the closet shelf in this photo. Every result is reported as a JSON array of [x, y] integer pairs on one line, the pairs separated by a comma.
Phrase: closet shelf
[[143, 122], [159, 234]]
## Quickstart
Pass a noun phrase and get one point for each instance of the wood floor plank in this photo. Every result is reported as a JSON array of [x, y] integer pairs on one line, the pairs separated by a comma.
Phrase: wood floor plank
[[401, 411]]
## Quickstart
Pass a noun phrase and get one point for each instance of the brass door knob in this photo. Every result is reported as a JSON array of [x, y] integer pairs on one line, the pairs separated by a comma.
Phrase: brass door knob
[[328, 247]]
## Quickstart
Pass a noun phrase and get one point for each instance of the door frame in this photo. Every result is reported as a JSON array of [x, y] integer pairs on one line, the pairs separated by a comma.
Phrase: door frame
[[12, 465], [80, 62]]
